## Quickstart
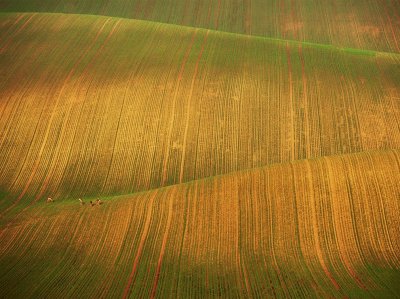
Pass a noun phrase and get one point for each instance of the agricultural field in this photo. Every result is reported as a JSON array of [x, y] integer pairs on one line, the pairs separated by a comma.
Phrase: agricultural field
[[235, 155], [315, 228], [108, 119], [364, 24]]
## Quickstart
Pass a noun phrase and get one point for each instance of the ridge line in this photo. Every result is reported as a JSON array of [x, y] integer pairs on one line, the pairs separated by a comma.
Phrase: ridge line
[[389, 150], [354, 51]]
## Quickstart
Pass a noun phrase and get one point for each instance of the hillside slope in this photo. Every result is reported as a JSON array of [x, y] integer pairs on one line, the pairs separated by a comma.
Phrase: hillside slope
[[364, 24], [99, 106], [315, 228]]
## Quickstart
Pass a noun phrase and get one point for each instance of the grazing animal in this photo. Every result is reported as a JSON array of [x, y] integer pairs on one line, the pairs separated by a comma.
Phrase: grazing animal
[[98, 202], [81, 202], [49, 199], [92, 203]]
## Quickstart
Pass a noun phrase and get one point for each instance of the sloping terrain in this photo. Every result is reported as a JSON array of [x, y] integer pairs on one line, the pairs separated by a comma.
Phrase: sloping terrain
[[101, 106], [259, 160], [315, 228], [364, 24]]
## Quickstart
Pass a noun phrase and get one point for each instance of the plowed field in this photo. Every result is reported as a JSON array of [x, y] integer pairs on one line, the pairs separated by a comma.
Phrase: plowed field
[[243, 149]]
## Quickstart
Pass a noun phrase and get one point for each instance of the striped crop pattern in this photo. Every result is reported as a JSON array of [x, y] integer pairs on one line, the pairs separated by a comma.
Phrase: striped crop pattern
[[363, 24], [314, 228], [122, 106]]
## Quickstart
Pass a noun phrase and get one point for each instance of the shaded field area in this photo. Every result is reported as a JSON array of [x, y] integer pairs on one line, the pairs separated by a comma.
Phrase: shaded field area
[[242, 149], [315, 228], [103, 106], [364, 24]]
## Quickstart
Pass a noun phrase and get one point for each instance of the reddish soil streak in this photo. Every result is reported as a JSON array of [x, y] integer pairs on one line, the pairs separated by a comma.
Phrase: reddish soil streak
[[105, 284], [37, 162], [246, 280], [282, 16], [315, 232], [186, 57], [217, 15], [110, 34], [243, 272], [47, 179], [395, 10], [295, 35], [391, 25], [188, 105], [164, 243], [140, 248], [180, 75], [209, 13], [18, 19], [247, 17], [305, 100], [16, 32], [356, 278], [291, 100]]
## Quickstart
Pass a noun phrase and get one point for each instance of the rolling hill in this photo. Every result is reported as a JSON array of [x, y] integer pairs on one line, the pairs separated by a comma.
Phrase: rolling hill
[[240, 151], [367, 24], [102, 106], [314, 228]]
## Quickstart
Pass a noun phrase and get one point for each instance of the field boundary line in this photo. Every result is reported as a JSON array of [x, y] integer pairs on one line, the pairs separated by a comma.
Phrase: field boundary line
[[194, 77], [52, 115], [332, 47], [175, 97], [131, 278], [314, 159], [368, 152]]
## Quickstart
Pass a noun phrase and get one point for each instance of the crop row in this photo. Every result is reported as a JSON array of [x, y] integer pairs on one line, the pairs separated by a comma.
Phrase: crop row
[[368, 24], [314, 228], [96, 105]]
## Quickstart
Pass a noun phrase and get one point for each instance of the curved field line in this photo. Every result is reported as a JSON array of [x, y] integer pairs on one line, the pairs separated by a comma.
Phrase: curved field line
[[306, 105], [291, 107], [105, 284], [346, 260], [172, 118], [47, 278], [164, 244], [185, 134], [217, 14], [301, 240], [385, 8], [236, 222], [36, 164], [271, 243], [143, 239], [69, 76], [19, 18], [338, 232], [315, 231], [213, 140], [66, 117], [396, 263], [239, 259], [26, 23], [35, 132]]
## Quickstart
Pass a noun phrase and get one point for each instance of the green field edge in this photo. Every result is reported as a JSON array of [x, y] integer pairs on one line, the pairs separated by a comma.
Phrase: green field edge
[[16, 213], [231, 173], [353, 51]]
